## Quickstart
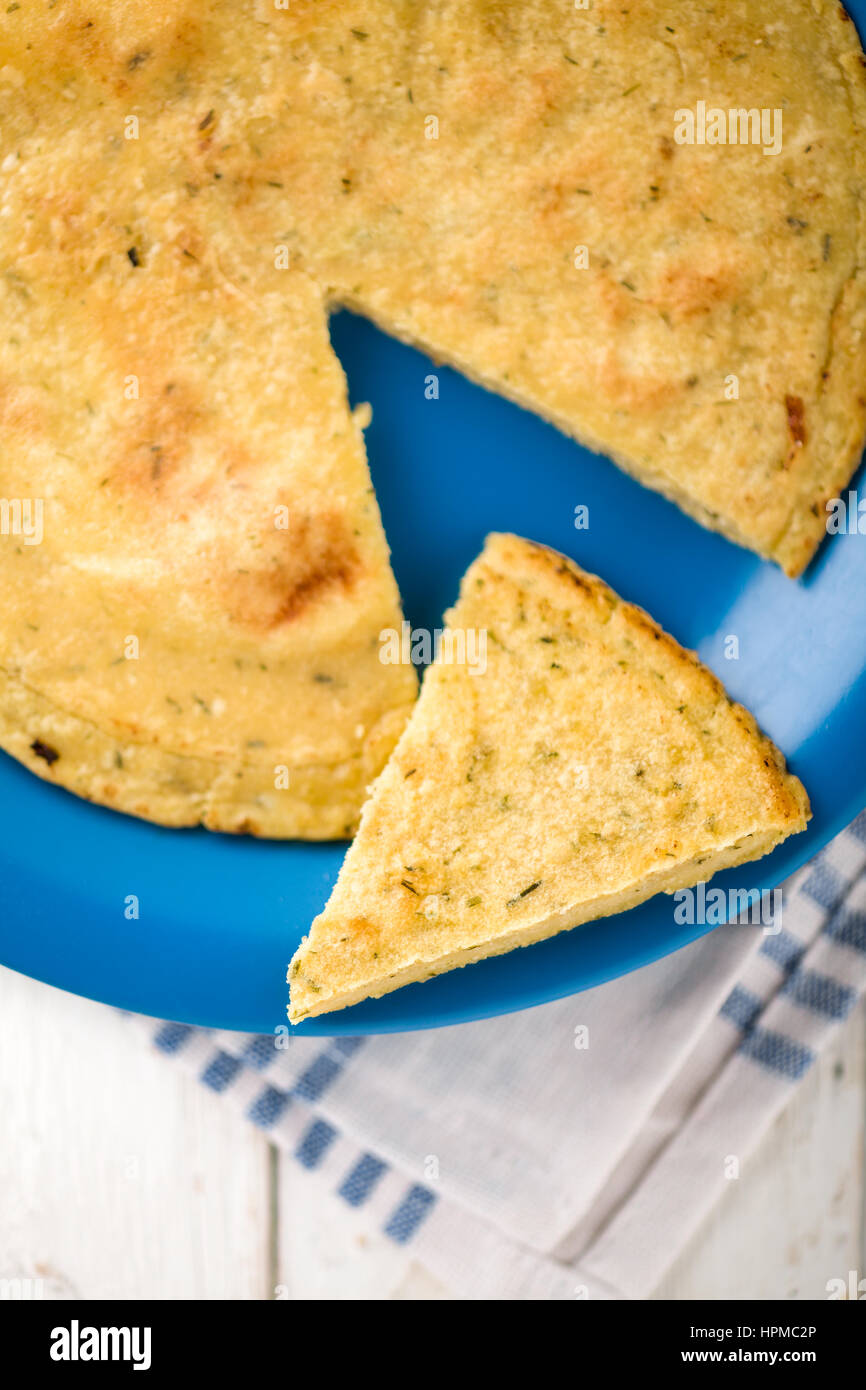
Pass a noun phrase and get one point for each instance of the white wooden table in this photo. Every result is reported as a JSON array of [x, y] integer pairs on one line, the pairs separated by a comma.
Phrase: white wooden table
[[122, 1178]]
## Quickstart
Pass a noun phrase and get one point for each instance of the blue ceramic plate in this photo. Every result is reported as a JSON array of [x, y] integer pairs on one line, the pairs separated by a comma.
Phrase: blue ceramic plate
[[220, 917]]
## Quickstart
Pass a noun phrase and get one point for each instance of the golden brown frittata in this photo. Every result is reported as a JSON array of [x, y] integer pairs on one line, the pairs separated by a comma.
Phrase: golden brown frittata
[[185, 187], [588, 764]]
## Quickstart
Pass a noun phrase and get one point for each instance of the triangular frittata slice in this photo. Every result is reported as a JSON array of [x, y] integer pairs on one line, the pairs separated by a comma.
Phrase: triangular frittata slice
[[193, 567], [566, 760]]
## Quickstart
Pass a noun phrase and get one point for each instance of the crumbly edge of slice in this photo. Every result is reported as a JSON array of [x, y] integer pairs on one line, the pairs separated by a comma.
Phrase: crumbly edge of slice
[[321, 802], [666, 881], [795, 547], [844, 370], [647, 477]]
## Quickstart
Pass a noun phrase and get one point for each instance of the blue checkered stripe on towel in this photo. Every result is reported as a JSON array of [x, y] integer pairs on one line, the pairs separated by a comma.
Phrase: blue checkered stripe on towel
[[820, 997], [279, 1100]]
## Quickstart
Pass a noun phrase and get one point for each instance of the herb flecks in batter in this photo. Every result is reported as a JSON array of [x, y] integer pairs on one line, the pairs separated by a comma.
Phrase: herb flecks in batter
[[45, 751], [524, 892]]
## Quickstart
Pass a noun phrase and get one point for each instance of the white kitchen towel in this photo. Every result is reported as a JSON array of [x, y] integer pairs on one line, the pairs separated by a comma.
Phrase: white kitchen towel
[[569, 1151]]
